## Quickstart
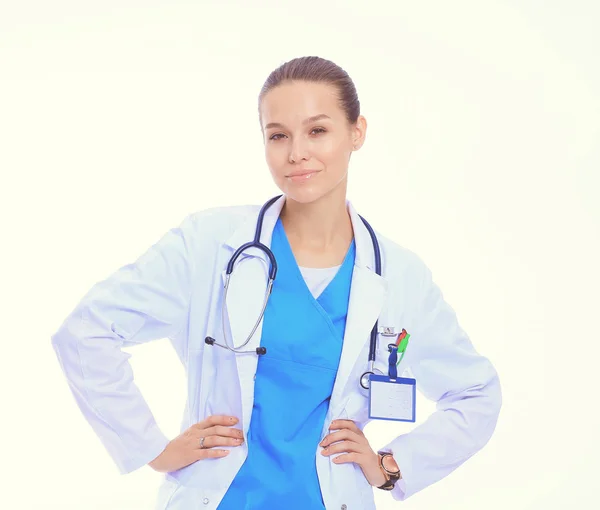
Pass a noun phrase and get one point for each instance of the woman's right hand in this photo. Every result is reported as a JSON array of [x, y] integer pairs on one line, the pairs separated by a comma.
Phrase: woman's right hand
[[185, 448]]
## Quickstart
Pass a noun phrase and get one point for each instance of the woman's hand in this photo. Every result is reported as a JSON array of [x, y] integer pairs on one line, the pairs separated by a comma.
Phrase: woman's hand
[[351, 441], [185, 448]]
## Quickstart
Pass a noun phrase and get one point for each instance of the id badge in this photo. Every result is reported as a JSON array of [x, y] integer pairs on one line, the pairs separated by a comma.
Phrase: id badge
[[392, 399]]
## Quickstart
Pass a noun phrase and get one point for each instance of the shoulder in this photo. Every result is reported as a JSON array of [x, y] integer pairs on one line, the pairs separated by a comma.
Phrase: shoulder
[[408, 276], [224, 214], [399, 261], [218, 223], [408, 281]]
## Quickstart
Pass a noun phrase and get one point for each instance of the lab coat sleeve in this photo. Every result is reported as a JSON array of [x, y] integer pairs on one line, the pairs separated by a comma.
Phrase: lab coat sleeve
[[464, 385], [142, 301]]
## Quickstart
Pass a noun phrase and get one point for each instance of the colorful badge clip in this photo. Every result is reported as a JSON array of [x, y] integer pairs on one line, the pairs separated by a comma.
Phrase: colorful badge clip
[[394, 349], [402, 343]]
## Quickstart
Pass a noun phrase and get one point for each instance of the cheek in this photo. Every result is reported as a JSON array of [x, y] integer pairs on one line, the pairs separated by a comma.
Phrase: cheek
[[332, 151], [274, 160]]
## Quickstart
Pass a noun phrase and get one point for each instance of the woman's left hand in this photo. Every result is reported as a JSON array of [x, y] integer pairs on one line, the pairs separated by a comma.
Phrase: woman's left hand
[[351, 441]]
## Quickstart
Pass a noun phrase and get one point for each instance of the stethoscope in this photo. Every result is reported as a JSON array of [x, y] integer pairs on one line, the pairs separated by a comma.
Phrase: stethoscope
[[364, 378]]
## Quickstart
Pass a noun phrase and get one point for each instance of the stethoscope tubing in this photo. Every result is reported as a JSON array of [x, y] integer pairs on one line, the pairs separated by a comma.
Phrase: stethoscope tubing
[[272, 275]]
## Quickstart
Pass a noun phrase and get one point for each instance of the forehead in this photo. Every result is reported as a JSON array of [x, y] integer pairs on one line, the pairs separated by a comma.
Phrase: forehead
[[292, 102]]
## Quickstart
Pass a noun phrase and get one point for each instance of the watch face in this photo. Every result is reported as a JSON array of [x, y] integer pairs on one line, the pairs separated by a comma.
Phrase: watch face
[[388, 465]]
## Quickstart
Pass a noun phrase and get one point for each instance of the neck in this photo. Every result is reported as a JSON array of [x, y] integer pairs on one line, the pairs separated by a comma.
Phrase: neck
[[320, 225]]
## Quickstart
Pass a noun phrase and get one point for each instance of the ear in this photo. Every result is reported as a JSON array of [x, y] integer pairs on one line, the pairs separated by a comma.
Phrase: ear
[[359, 132]]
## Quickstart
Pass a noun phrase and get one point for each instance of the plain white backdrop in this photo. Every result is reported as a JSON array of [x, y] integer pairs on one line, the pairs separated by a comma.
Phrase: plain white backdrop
[[118, 118]]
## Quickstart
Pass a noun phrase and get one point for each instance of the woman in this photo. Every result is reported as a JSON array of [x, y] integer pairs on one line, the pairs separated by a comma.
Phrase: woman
[[282, 426]]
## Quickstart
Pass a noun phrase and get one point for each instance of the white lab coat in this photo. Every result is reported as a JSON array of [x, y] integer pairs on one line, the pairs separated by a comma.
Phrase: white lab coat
[[174, 290]]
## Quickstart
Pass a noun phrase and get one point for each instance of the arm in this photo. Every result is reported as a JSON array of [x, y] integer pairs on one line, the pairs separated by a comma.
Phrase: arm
[[464, 385], [140, 302]]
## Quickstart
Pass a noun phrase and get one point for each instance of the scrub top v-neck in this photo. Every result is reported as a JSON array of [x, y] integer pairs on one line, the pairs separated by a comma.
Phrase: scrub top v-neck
[[293, 386]]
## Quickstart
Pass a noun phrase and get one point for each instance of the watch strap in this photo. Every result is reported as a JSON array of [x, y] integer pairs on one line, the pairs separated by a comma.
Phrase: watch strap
[[393, 476]]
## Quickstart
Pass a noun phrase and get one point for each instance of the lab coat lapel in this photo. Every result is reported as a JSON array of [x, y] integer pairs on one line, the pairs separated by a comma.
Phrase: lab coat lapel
[[247, 291], [367, 297], [245, 298]]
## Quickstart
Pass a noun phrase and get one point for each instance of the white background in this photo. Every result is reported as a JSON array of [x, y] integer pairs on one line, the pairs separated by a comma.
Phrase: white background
[[118, 118]]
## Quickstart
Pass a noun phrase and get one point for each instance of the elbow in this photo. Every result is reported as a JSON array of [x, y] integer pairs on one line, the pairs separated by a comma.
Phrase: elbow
[[65, 349], [66, 344], [475, 411], [498, 394], [488, 411], [491, 411], [492, 393], [484, 397], [59, 341], [64, 338], [489, 401], [496, 398]]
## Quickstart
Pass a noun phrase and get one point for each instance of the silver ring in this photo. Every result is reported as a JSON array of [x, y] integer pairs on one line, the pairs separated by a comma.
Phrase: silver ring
[[202, 442]]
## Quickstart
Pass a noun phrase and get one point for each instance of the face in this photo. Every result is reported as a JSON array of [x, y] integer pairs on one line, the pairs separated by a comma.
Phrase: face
[[308, 140]]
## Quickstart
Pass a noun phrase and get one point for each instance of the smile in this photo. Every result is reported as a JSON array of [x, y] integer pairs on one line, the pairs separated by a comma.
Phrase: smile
[[302, 177]]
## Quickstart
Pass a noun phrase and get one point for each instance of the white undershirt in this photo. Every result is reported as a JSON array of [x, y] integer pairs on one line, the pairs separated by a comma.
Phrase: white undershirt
[[317, 278]]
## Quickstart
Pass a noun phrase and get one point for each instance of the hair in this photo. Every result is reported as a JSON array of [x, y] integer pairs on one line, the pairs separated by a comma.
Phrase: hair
[[319, 70]]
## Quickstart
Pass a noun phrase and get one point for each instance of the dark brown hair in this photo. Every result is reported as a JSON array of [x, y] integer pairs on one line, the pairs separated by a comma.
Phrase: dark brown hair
[[320, 70]]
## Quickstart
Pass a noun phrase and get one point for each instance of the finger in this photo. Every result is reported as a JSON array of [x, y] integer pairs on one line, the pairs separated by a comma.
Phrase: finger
[[216, 419], [211, 453], [348, 457], [344, 424], [220, 430], [212, 441], [339, 436], [344, 447]]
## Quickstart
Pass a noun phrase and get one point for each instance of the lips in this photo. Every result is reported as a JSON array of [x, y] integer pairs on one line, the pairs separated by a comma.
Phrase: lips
[[302, 173], [302, 176]]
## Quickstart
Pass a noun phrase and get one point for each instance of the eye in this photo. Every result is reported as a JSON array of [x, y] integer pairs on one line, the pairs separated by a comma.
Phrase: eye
[[277, 136]]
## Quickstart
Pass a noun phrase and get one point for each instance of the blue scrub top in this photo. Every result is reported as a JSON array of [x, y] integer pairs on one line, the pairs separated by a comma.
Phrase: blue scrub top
[[294, 381]]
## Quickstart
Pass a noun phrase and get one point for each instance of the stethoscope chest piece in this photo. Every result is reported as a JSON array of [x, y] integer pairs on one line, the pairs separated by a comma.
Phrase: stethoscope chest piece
[[364, 379]]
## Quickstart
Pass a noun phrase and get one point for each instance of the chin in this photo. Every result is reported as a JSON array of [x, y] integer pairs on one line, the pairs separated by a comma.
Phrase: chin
[[304, 196], [306, 193]]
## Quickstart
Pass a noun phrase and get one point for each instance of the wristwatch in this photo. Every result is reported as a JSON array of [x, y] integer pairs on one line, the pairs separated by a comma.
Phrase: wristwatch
[[393, 476]]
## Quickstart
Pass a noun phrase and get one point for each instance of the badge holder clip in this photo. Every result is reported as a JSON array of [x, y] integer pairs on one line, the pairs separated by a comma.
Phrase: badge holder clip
[[392, 397]]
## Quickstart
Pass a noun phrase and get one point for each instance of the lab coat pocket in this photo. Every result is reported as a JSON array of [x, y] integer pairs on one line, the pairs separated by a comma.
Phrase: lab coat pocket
[[365, 489], [383, 356], [357, 489], [357, 406], [211, 474], [356, 411]]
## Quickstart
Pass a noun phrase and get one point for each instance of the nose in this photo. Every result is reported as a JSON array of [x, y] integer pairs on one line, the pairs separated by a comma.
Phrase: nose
[[298, 151]]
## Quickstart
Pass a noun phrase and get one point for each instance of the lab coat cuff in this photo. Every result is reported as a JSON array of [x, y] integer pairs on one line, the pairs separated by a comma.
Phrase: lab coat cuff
[[156, 444], [400, 450]]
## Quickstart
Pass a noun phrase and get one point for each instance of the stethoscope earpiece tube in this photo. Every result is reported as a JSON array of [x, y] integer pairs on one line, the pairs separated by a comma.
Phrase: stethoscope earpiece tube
[[377, 255], [393, 371]]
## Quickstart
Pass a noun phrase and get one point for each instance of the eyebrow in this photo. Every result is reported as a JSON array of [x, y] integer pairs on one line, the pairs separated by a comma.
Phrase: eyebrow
[[314, 118]]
